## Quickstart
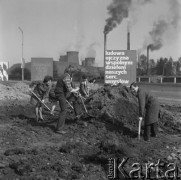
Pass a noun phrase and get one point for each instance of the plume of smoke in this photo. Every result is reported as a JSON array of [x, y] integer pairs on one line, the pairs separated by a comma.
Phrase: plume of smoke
[[156, 34], [91, 51], [118, 10], [175, 9], [161, 27]]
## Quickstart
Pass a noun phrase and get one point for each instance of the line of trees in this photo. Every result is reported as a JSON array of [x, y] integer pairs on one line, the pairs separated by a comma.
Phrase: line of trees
[[163, 66]]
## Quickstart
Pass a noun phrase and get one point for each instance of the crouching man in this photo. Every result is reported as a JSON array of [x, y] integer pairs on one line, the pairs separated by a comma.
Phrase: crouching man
[[148, 109], [63, 87], [41, 92]]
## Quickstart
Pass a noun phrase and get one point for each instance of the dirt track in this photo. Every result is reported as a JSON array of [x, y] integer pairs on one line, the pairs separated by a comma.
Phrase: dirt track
[[31, 150]]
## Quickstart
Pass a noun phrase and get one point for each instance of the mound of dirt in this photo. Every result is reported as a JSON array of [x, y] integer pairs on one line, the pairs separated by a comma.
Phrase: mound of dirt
[[21, 87], [13, 97], [14, 91], [170, 119], [116, 104]]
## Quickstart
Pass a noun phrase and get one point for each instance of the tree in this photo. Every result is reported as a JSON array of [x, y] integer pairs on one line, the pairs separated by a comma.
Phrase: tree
[[169, 68], [152, 67], [16, 74], [160, 66], [142, 65], [178, 66]]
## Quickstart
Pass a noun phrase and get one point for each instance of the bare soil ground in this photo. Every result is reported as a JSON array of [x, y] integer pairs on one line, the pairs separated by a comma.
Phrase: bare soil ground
[[31, 150]]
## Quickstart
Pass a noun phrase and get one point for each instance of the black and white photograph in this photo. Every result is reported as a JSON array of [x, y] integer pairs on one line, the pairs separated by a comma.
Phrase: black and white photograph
[[90, 89]]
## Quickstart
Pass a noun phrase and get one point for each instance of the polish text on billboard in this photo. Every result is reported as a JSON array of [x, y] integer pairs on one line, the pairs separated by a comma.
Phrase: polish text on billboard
[[120, 67]]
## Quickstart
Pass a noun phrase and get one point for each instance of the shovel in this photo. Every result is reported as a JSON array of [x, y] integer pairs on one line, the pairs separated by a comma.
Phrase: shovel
[[69, 104], [40, 100], [83, 103], [85, 106], [139, 129]]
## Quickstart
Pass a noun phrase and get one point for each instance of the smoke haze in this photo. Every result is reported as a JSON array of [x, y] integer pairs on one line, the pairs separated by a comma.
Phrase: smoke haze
[[161, 30], [164, 28], [156, 34], [118, 10], [91, 50]]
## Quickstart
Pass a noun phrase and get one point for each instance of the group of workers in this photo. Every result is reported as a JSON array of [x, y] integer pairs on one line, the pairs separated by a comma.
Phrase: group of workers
[[64, 92]]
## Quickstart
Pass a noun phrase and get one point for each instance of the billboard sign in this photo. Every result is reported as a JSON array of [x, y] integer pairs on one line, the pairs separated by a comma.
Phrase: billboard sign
[[120, 67], [4, 71]]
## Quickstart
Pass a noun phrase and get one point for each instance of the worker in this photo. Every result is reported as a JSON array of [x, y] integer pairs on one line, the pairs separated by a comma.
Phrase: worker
[[148, 109], [63, 87], [41, 90], [84, 89]]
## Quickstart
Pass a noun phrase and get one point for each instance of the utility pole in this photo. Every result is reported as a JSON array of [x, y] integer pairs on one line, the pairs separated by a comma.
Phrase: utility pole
[[22, 60]]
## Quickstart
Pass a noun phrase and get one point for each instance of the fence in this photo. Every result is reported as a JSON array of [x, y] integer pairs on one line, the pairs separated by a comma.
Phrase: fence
[[159, 79]]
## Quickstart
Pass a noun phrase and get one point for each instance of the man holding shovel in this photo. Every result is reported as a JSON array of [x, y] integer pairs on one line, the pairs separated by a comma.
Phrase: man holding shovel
[[63, 87], [148, 109], [39, 92]]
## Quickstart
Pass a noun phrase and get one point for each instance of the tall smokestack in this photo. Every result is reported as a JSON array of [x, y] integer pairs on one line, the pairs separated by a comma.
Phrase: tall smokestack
[[105, 45], [148, 48], [138, 59], [128, 36]]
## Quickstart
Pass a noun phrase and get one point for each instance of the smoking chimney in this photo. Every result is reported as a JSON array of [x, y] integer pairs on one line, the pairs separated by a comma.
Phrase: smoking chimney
[[128, 36], [105, 44], [138, 59], [148, 48]]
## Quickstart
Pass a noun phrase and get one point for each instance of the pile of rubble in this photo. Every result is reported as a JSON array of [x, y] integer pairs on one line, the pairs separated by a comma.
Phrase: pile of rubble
[[116, 104]]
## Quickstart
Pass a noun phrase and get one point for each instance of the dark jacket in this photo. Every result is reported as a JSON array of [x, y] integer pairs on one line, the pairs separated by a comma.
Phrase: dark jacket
[[41, 90], [148, 106], [52, 93], [63, 85]]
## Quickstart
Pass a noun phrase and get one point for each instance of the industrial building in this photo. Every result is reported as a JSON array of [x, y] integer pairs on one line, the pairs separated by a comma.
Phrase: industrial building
[[41, 66]]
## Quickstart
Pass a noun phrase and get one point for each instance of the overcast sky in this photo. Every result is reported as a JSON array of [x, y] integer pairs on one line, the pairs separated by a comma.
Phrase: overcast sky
[[53, 27]]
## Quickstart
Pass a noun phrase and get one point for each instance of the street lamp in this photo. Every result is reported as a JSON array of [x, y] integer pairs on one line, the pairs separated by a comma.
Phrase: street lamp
[[22, 60]]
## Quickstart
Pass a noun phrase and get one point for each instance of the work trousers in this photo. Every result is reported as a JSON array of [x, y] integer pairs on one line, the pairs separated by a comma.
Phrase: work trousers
[[63, 110], [150, 129]]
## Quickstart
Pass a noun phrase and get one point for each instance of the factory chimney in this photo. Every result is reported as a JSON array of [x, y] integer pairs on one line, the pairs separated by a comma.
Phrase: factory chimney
[[138, 59], [128, 36], [148, 48], [105, 44]]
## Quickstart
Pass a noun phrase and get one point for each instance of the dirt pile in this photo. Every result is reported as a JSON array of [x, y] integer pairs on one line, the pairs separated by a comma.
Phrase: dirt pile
[[170, 119], [21, 87], [14, 92], [116, 104]]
